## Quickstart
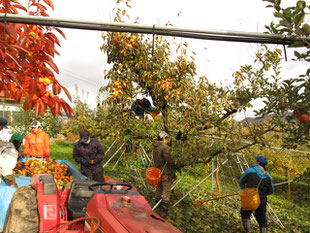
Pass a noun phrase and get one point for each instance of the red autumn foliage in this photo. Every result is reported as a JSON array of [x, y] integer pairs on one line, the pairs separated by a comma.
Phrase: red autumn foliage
[[26, 58]]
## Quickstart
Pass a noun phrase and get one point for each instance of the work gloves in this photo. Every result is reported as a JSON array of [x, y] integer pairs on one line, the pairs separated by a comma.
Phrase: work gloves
[[93, 161], [84, 162], [89, 162]]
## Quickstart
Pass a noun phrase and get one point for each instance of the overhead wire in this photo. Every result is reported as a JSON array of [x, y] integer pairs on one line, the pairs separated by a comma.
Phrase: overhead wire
[[75, 76]]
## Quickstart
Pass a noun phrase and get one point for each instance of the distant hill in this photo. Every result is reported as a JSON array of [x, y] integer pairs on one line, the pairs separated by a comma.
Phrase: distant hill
[[265, 118]]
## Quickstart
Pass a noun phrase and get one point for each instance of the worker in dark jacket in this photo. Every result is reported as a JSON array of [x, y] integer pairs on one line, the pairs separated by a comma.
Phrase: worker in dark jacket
[[252, 177], [141, 108], [163, 161], [89, 153]]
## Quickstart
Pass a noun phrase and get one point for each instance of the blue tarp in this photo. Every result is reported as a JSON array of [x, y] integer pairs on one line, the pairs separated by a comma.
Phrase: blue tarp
[[7, 192], [6, 196]]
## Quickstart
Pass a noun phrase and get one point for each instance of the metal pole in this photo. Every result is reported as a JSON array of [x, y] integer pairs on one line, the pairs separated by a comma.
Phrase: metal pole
[[118, 159], [198, 184], [257, 144], [140, 176], [157, 204], [275, 215], [217, 198], [146, 155], [233, 194], [173, 186], [110, 147], [113, 155], [234, 36], [282, 183], [181, 178], [143, 159], [212, 180]]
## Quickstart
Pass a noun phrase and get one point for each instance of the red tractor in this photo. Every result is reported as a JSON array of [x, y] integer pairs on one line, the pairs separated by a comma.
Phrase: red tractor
[[111, 207]]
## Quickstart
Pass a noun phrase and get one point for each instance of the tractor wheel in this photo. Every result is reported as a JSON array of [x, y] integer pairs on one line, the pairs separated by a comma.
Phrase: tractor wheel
[[23, 215]]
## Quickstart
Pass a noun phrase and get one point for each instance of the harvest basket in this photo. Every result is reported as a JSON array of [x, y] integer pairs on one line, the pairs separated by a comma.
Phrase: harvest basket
[[249, 198]]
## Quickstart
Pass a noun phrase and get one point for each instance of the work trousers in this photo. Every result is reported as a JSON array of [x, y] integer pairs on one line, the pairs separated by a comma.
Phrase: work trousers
[[10, 180], [163, 189], [97, 177], [260, 213]]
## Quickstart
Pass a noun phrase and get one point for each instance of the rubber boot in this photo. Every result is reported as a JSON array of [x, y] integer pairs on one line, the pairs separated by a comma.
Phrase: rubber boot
[[263, 229], [165, 208], [246, 225], [159, 207]]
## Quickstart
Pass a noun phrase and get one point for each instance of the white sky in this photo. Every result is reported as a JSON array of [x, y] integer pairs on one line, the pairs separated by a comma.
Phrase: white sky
[[82, 62]]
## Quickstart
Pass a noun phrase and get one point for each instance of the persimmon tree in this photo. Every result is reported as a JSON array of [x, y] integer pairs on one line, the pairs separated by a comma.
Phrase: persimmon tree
[[26, 60], [193, 108]]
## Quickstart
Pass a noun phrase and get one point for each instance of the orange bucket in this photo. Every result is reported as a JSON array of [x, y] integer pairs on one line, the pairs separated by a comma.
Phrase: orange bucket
[[106, 178], [153, 176], [250, 199]]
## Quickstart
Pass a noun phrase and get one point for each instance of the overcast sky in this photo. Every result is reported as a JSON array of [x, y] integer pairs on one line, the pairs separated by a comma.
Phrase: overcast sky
[[82, 62]]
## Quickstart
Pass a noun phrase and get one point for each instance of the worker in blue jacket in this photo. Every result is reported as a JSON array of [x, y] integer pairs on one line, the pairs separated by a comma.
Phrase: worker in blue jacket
[[252, 177]]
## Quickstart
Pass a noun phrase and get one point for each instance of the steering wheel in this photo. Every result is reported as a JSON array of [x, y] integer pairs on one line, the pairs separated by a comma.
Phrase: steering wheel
[[111, 184]]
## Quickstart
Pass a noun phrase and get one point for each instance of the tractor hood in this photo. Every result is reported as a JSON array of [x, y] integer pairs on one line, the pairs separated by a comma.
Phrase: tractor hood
[[127, 213]]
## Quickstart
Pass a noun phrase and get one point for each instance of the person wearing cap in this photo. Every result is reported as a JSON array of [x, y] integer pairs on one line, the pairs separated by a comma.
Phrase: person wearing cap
[[141, 108], [37, 143], [253, 177], [88, 152], [9, 152], [3, 123], [163, 161]]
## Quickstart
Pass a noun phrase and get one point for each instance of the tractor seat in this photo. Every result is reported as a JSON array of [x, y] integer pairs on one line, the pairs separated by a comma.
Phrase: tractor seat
[[78, 198]]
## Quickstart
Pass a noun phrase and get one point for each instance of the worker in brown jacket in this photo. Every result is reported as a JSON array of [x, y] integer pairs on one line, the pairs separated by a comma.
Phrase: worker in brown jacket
[[163, 161]]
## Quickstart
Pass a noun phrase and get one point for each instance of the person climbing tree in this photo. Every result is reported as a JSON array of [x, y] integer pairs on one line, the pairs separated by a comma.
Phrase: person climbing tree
[[141, 108]]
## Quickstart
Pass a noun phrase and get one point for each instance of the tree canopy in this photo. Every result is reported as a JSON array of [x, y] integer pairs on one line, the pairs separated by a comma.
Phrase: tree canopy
[[26, 60], [194, 110]]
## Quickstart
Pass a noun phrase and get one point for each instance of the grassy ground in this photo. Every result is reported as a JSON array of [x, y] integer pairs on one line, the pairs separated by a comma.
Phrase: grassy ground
[[214, 216]]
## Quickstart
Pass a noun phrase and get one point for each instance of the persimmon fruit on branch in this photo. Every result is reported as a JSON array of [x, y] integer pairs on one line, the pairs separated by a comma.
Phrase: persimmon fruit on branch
[[26, 60], [303, 118]]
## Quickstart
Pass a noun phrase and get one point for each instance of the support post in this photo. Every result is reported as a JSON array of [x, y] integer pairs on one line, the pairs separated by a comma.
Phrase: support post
[[118, 159], [199, 183], [113, 155]]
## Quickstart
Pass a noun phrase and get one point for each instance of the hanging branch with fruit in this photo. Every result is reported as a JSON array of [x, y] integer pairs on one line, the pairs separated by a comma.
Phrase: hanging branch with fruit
[[26, 56]]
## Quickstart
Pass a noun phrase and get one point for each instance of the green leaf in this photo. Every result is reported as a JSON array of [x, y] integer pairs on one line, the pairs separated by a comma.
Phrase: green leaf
[[301, 5], [287, 14], [299, 19], [306, 29], [278, 15], [283, 23]]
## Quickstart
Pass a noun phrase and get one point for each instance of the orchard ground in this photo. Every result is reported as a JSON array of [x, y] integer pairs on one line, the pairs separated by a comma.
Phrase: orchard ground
[[292, 209]]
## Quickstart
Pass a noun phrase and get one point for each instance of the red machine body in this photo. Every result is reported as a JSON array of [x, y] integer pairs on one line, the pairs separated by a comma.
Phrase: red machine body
[[91, 207], [121, 213], [48, 201]]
